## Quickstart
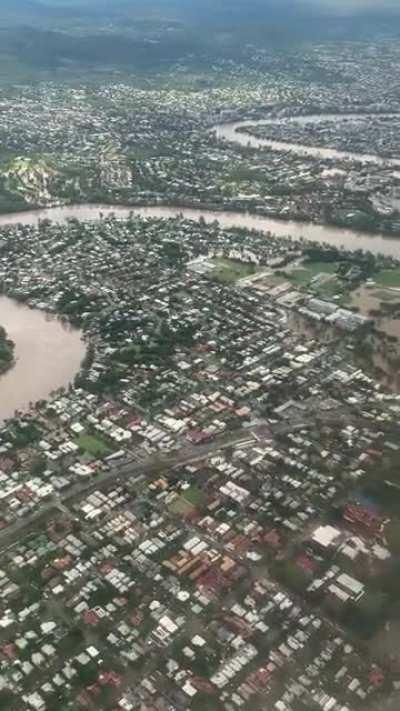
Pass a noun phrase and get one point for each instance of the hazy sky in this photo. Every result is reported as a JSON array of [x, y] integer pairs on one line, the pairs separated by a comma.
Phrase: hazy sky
[[352, 5]]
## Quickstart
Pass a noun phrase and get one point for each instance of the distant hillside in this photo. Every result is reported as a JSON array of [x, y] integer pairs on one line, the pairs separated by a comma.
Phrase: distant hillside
[[46, 35], [291, 17]]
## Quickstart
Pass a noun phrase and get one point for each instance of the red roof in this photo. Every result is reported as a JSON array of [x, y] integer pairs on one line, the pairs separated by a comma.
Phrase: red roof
[[198, 436], [94, 689], [9, 650], [376, 676], [91, 618], [83, 699], [273, 539], [364, 517], [306, 563], [111, 678]]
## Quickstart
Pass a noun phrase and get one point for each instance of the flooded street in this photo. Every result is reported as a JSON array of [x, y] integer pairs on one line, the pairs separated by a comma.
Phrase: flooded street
[[369, 302]]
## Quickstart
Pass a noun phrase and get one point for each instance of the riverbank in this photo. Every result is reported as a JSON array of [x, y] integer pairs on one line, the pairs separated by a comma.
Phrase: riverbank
[[7, 349]]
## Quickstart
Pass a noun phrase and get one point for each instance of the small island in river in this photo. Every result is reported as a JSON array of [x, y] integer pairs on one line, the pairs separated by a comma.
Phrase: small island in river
[[7, 347]]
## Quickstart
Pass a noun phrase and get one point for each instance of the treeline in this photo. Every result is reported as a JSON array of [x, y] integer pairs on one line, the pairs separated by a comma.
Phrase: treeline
[[6, 350]]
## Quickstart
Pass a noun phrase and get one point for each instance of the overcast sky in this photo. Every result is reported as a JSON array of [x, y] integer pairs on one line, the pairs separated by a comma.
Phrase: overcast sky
[[352, 5]]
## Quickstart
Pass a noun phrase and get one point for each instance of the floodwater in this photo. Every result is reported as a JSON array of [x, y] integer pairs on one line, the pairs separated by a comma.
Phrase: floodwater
[[369, 300], [236, 132], [342, 238], [48, 355]]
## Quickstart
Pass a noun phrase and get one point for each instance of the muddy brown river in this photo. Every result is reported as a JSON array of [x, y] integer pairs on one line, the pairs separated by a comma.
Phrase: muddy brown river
[[48, 355]]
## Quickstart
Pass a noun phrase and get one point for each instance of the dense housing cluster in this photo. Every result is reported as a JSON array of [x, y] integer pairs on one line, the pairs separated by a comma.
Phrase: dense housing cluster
[[194, 523]]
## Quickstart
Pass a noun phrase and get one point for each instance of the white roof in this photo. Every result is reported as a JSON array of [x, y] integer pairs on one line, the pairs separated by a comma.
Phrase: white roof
[[325, 535], [168, 624], [198, 641], [349, 583], [189, 689]]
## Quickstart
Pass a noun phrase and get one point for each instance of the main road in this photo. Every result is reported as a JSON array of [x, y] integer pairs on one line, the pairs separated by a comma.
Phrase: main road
[[142, 472], [133, 472]]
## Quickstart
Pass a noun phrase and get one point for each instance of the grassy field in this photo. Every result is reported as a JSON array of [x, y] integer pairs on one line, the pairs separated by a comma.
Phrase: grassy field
[[195, 496], [388, 277], [303, 275], [181, 507], [93, 445], [188, 501], [228, 271]]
